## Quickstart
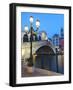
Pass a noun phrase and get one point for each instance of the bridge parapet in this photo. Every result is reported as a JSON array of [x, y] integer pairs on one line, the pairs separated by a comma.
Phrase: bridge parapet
[[35, 46]]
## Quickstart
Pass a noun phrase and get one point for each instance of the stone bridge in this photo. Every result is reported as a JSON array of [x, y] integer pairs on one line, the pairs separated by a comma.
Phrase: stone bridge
[[35, 46]]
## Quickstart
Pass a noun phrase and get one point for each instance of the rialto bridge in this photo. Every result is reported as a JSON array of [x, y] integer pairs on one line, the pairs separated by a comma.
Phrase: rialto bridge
[[41, 51]]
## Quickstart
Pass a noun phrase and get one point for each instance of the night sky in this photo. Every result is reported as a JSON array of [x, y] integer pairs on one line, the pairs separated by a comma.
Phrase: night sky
[[50, 23]]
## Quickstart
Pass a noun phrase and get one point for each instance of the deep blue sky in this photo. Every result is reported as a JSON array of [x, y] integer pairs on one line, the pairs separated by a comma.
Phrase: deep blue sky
[[50, 23]]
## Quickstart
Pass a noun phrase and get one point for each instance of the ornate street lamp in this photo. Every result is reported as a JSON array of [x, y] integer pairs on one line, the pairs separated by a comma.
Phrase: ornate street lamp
[[25, 36], [37, 24], [30, 61], [56, 49], [26, 29], [31, 20], [37, 27]]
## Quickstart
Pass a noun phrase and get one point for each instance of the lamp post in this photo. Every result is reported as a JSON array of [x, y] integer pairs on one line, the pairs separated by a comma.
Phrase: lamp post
[[30, 62], [56, 38], [37, 27], [25, 37], [37, 24], [26, 29], [56, 48]]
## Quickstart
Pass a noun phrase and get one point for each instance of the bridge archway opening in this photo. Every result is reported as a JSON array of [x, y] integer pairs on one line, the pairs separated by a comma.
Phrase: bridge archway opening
[[45, 58]]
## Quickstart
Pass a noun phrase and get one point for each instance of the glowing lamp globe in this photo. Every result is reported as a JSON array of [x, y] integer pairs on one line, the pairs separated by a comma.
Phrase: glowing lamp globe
[[37, 23], [26, 29], [31, 19]]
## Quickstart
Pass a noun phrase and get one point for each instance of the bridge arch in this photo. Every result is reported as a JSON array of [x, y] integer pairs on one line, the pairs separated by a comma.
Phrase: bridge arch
[[45, 50], [45, 58], [46, 47]]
